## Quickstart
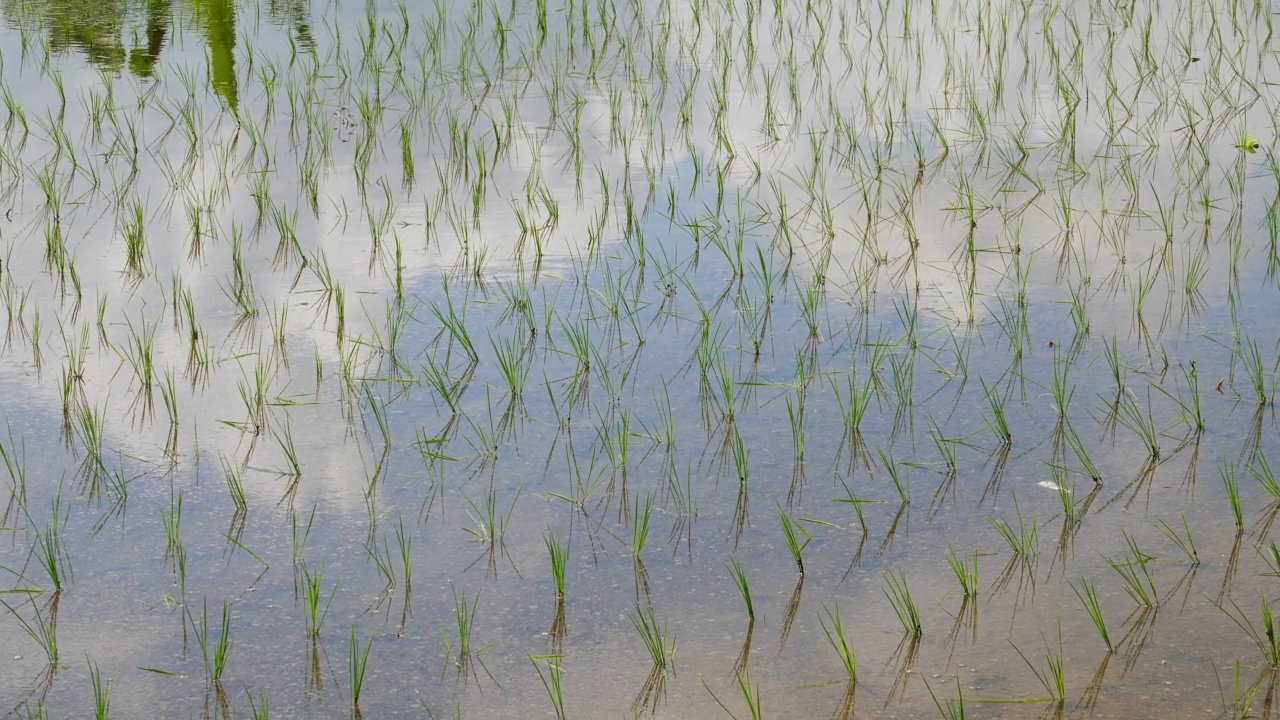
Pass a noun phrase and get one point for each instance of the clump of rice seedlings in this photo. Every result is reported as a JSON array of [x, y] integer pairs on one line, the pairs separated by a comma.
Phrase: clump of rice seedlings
[[1119, 371], [946, 448], [552, 680], [1243, 693], [640, 524], [235, 486], [383, 561], [1265, 639], [101, 693], [1255, 370], [299, 539], [904, 605], [1261, 472], [1062, 390], [1132, 416], [660, 645], [357, 663], [949, 709], [791, 532], [741, 462], [404, 544], [739, 576], [1183, 540], [836, 638], [313, 611], [513, 363], [1082, 455], [1193, 409], [998, 424], [133, 230], [857, 503], [1053, 677], [966, 572], [171, 519], [43, 629], [1022, 539], [1227, 471], [490, 526], [559, 555], [90, 426], [465, 623], [284, 436], [853, 408], [897, 475], [258, 706], [214, 656], [1134, 570], [1088, 596], [750, 693]]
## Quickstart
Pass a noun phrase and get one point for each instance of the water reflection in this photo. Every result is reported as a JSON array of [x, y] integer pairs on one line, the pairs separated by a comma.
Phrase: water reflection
[[100, 31]]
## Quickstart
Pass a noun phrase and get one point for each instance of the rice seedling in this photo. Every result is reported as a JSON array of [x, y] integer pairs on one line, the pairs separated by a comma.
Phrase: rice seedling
[[1135, 572], [213, 650], [101, 692], [1082, 455], [659, 644], [999, 424], [966, 573], [1255, 370], [1087, 593], [903, 604], [792, 532], [897, 475], [357, 664], [171, 520], [640, 524], [258, 706], [559, 555], [1183, 541], [948, 709], [1022, 539], [465, 623], [1053, 677], [1265, 638], [43, 628], [1227, 471], [552, 680], [490, 526], [739, 576], [314, 612], [1063, 391], [235, 485], [836, 638], [1141, 422]]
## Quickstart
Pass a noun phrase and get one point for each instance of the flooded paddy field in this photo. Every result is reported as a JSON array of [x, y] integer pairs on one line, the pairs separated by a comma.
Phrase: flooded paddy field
[[614, 358]]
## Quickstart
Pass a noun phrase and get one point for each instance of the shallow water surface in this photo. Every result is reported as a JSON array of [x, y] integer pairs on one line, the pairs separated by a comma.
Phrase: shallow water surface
[[915, 330]]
